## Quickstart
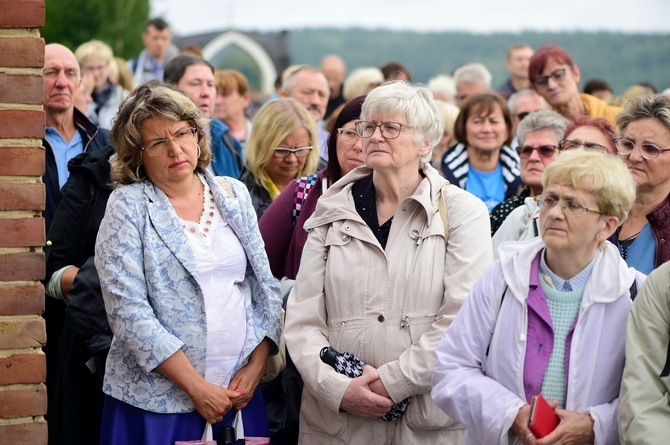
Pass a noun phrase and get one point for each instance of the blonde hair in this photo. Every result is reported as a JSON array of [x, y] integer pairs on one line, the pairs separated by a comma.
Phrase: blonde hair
[[94, 48], [275, 121], [152, 99], [604, 176], [361, 81]]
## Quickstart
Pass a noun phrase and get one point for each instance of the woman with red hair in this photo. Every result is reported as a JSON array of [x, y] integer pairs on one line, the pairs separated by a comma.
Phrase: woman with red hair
[[555, 77]]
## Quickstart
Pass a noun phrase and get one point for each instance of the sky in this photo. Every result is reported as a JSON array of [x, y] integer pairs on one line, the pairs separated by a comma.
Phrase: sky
[[479, 16]]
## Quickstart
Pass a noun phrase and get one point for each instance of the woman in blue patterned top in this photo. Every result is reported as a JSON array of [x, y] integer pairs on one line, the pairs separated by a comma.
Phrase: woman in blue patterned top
[[187, 286], [548, 317]]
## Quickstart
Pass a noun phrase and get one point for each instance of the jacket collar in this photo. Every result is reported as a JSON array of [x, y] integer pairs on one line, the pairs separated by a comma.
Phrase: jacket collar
[[611, 276], [334, 205]]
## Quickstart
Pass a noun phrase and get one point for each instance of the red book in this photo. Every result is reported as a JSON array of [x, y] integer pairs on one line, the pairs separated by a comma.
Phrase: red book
[[543, 419]]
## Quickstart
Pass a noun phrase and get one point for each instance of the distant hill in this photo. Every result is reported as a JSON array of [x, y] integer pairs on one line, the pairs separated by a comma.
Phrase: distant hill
[[621, 59]]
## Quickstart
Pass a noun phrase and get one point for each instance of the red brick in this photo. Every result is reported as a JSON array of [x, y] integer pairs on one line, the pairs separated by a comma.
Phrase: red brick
[[28, 266], [22, 196], [18, 124], [22, 299], [23, 402], [21, 52], [28, 332], [22, 13], [34, 433], [23, 368], [24, 89], [22, 161], [22, 232]]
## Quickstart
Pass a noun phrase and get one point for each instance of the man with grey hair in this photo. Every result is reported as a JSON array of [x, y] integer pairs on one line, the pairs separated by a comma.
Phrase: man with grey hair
[[520, 105], [309, 86], [539, 135], [470, 79]]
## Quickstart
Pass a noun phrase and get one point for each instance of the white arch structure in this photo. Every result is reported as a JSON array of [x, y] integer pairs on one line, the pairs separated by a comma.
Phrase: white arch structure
[[251, 47]]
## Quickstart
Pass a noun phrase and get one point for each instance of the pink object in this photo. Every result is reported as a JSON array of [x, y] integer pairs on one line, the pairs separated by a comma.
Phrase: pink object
[[257, 441]]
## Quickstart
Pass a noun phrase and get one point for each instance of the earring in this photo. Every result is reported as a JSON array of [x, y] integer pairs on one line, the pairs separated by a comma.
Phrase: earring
[[199, 152], [137, 173]]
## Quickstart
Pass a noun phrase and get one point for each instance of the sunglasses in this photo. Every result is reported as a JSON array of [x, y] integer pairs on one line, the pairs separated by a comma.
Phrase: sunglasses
[[545, 151]]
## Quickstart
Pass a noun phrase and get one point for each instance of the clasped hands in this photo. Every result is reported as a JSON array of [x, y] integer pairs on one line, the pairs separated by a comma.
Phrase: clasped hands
[[366, 396], [573, 429]]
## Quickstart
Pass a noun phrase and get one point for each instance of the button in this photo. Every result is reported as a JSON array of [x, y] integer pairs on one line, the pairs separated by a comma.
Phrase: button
[[381, 319], [415, 233], [49, 243], [346, 238]]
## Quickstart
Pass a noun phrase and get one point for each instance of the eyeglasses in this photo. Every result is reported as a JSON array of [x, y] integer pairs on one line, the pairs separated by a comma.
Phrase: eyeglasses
[[557, 75], [389, 130], [648, 151], [568, 144], [348, 135], [300, 152], [545, 151], [182, 137], [568, 207]]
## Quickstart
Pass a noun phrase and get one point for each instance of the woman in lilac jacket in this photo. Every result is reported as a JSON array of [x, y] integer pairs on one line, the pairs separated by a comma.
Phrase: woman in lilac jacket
[[548, 317]]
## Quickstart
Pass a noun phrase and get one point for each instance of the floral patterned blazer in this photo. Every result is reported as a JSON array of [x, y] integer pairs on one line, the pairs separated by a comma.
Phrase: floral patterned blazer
[[153, 298]]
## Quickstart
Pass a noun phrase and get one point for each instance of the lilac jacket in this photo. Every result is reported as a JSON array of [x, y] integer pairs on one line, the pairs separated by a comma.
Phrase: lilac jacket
[[485, 391]]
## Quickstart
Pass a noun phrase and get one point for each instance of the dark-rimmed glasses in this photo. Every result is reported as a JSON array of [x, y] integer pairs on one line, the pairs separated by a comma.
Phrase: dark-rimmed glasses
[[648, 151], [568, 144], [569, 206], [348, 135], [300, 152], [389, 130], [181, 137], [545, 151], [558, 75]]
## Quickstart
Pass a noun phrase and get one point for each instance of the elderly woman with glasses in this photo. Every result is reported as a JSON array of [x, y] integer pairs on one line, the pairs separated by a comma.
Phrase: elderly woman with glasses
[[644, 146], [483, 163], [283, 147], [590, 133], [538, 135], [555, 76], [391, 253], [187, 287], [548, 318]]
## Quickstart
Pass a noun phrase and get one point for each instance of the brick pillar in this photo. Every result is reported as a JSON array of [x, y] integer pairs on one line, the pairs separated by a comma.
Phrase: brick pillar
[[23, 399]]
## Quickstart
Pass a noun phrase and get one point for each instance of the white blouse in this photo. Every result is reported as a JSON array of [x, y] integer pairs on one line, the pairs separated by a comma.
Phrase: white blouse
[[222, 263]]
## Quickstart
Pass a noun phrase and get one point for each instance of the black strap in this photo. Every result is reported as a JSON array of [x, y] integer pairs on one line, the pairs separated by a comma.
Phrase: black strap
[[229, 141], [666, 368], [633, 290]]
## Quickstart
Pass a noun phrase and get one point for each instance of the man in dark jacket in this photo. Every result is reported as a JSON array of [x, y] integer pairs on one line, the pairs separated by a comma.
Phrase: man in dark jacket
[[68, 133]]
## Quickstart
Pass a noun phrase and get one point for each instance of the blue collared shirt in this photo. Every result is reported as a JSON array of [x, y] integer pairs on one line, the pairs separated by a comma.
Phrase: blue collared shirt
[[64, 151], [575, 283]]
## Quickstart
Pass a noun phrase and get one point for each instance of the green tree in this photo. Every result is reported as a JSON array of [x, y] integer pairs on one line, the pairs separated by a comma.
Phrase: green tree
[[118, 23]]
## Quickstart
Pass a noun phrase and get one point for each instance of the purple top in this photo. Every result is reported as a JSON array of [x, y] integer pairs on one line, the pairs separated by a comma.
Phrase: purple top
[[540, 336], [283, 242]]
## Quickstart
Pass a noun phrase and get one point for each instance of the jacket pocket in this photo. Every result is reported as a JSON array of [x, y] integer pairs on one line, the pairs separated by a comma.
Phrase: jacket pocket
[[316, 418], [423, 414]]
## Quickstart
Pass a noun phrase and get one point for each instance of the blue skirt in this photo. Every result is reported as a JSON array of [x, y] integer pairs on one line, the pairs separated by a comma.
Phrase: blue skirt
[[124, 424]]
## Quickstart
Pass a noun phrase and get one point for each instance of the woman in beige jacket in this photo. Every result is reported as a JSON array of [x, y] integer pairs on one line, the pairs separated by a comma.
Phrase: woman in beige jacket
[[378, 279]]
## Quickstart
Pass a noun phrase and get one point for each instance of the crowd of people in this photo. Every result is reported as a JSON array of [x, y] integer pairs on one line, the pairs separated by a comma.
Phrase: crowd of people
[[361, 260]]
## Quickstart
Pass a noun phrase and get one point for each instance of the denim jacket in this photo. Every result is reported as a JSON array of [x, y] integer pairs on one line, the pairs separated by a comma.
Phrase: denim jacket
[[152, 294]]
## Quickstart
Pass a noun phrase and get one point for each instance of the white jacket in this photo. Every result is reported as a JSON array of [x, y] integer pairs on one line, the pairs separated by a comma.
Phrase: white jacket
[[485, 393]]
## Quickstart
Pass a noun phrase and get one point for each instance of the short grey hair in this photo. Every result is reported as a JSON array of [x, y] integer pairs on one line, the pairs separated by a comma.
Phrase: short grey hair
[[650, 107], [511, 102], [289, 81], [415, 102], [443, 84], [542, 120], [472, 73]]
